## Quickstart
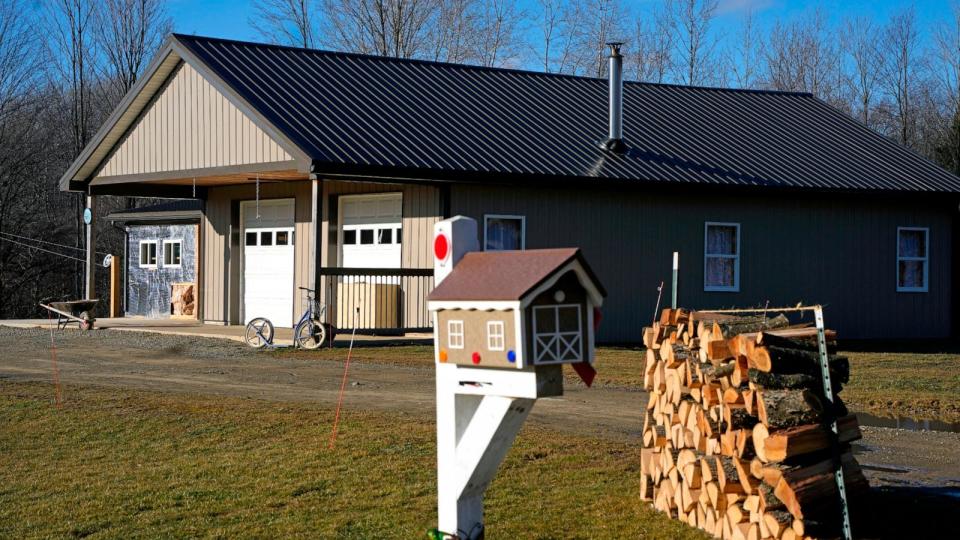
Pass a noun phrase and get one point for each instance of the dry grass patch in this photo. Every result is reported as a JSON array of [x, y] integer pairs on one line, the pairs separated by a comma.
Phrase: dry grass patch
[[121, 464]]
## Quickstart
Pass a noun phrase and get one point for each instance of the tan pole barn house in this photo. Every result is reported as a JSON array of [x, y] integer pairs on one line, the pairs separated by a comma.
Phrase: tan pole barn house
[[328, 170]]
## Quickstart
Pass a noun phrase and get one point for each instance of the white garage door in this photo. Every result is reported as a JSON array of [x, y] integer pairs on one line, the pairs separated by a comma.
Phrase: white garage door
[[371, 230], [268, 261]]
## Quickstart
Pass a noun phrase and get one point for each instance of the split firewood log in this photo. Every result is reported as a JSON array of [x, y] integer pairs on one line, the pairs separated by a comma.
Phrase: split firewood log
[[785, 360], [788, 408], [742, 325]]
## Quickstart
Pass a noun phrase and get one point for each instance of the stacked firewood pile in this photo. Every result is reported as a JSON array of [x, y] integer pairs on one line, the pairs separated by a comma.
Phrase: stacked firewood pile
[[735, 439]]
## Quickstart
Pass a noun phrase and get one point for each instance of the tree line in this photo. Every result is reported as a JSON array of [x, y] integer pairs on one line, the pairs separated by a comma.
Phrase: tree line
[[65, 64]]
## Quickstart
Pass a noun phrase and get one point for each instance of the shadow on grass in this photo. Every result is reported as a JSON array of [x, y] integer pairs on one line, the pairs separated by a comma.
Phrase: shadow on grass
[[907, 346], [907, 512]]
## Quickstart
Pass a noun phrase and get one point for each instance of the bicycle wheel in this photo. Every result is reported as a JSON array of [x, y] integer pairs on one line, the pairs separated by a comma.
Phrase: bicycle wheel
[[310, 334], [259, 333]]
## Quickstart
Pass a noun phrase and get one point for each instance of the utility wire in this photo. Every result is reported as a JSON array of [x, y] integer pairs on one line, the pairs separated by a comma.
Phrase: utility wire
[[64, 255], [49, 243]]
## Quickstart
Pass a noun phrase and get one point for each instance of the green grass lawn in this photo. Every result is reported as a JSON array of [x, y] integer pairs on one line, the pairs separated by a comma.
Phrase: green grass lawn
[[919, 380], [122, 464]]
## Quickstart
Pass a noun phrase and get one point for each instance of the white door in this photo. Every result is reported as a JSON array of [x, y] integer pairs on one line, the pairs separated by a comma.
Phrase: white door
[[268, 261], [371, 230]]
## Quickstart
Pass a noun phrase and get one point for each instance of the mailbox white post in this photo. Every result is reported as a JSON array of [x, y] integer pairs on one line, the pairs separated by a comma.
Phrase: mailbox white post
[[489, 374]]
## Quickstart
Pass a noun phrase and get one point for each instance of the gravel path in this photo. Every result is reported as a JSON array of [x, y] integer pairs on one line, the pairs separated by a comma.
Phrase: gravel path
[[171, 363]]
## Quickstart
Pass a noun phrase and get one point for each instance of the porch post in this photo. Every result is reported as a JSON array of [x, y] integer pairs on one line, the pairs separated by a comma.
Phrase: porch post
[[89, 218], [316, 242]]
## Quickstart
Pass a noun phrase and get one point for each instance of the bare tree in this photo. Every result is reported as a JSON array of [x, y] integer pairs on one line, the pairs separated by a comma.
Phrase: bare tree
[[454, 31], [744, 57], [901, 67], [71, 59], [498, 34], [128, 33], [802, 57], [861, 46], [398, 28], [691, 23], [286, 22], [651, 56], [948, 67]]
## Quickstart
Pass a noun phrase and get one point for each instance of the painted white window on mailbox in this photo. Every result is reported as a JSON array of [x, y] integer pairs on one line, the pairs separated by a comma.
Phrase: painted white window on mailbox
[[455, 334], [495, 335], [557, 334]]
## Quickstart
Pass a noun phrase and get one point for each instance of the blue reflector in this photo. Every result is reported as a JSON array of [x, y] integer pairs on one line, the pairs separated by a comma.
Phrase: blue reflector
[[511, 356]]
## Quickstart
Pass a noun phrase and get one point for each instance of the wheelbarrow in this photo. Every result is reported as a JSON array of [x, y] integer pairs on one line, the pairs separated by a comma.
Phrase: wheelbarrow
[[79, 312]]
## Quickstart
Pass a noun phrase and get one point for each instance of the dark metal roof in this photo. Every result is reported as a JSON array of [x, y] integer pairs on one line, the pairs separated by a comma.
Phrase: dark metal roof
[[180, 210], [406, 118]]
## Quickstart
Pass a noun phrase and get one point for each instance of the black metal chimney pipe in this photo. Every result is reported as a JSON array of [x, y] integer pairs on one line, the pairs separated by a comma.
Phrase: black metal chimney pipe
[[614, 142]]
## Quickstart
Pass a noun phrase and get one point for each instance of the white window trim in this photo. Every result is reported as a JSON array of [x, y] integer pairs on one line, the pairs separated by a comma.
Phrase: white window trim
[[451, 333], [925, 259], [163, 256], [523, 227], [156, 245], [577, 336], [495, 333], [735, 257]]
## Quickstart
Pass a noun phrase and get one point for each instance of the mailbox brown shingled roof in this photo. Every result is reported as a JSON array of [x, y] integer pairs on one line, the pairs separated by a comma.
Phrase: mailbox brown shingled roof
[[506, 275]]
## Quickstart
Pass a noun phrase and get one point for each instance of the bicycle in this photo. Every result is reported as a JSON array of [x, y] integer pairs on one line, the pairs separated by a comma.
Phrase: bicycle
[[310, 332]]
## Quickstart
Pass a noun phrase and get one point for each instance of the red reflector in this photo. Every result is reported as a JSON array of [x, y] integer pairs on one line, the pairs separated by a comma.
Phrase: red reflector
[[441, 247]]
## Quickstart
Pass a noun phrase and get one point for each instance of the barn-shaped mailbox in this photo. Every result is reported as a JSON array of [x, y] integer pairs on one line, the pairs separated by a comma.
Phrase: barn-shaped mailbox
[[517, 309]]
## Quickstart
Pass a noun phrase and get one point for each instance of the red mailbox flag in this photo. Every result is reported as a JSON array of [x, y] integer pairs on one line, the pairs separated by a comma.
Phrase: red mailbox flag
[[585, 371]]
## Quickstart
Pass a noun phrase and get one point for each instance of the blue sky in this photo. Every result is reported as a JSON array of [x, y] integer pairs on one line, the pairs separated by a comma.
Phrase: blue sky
[[230, 18]]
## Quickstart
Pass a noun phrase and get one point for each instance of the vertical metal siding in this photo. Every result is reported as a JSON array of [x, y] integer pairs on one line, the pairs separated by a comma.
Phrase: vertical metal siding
[[840, 252], [221, 295], [190, 125]]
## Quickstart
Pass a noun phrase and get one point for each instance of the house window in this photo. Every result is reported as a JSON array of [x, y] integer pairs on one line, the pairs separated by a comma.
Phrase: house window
[[913, 259], [455, 334], [504, 232], [557, 334], [148, 254], [721, 257], [495, 335], [171, 253]]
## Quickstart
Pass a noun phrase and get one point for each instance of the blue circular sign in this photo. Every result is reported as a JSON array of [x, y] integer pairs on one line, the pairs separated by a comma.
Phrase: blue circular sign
[[87, 216]]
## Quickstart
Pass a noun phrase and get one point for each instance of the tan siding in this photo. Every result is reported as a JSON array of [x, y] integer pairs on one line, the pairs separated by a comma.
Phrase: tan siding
[[183, 129], [840, 252], [221, 289]]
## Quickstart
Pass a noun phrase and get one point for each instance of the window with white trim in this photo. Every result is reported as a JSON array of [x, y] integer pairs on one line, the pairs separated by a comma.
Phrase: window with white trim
[[495, 335], [501, 233], [172, 253], [455, 334], [557, 335], [913, 259], [721, 257], [148, 254]]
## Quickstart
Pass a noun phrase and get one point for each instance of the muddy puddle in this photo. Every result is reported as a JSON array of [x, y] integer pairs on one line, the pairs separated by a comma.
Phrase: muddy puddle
[[911, 424]]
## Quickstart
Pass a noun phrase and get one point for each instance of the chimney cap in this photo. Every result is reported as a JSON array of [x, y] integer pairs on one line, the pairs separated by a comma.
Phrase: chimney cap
[[615, 45]]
